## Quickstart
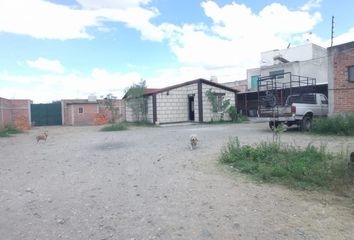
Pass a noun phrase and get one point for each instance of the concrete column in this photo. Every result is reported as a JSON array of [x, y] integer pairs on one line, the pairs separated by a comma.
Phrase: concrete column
[[154, 109], [200, 101]]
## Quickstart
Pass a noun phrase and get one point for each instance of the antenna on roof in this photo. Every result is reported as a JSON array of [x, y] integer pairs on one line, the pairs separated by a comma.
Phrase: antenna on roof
[[288, 46], [332, 31]]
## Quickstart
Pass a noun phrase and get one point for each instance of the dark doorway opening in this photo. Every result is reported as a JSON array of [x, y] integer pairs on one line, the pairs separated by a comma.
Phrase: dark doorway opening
[[191, 108]]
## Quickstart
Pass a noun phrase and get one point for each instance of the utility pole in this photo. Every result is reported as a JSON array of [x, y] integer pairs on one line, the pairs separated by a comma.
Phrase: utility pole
[[332, 31]]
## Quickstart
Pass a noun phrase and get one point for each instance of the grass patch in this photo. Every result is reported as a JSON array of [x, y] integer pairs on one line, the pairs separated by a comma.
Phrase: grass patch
[[115, 127], [140, 124], [336, 125], [125, 126], [8, 130], [240, 119], [309, 168]]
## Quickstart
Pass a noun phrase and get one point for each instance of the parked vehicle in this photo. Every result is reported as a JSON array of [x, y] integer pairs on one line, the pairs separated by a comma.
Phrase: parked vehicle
[[299, 109]]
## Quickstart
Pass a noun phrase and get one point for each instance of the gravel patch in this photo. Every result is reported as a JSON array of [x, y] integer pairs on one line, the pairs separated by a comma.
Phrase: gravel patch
[[146, 183]]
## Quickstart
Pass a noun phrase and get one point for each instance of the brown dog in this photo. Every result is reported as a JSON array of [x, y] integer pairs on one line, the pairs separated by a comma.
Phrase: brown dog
[[42, 136]]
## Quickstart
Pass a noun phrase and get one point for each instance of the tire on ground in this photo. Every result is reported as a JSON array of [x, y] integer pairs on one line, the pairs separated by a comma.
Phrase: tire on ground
[[306, 123], [271, 124]]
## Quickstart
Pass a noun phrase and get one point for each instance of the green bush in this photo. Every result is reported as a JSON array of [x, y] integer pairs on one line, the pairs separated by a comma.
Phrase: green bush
[[336, 125], [232, 111], [126, 125], [8, 130], [307, 168], [115, 127]]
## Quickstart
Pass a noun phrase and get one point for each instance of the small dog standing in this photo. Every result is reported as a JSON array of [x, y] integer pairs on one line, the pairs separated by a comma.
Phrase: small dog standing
[[193, 141], [42, 136]]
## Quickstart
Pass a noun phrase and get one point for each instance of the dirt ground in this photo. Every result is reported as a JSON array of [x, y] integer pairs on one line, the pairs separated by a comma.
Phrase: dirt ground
[[146, 183]]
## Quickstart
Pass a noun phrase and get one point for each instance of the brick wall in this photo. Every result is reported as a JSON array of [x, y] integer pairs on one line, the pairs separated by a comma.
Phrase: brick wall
[[15, 112], [342, 90], [90, 111]]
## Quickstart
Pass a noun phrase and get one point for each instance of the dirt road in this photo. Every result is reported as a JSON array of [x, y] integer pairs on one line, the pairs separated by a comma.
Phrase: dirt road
[[146, 183]]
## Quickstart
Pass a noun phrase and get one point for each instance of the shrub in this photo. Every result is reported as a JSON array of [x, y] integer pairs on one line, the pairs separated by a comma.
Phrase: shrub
[[8, 130], [115, 127], [232, 111], [307, 168], [336, 125]]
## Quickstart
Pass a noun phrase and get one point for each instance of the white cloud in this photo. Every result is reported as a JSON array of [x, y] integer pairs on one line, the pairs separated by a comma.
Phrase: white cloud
[[46, 65], [343, 38], [45, 20], [238, 35], [41, 19], [121, 4], [49, 87], [171, 76], [311, 4]]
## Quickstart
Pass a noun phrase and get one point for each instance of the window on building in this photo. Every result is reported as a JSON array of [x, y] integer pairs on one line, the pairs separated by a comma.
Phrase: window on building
[[219, 101], [254, 80], [278, 73], [81, 110], [351, 74]]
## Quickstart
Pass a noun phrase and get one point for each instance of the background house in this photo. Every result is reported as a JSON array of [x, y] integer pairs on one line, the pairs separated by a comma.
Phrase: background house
[[15, 112], [287, 65], [89, 111], [341, 78], [184, 102], [307, 60]]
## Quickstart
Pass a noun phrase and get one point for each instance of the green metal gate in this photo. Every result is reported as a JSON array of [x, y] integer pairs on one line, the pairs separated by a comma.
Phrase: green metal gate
[[46, 114]]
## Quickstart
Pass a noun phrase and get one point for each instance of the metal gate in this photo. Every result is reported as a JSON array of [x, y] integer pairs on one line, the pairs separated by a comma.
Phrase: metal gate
[[46, 114]]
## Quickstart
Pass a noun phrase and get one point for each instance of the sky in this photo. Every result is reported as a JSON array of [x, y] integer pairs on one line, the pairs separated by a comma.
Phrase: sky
[[69, 49]]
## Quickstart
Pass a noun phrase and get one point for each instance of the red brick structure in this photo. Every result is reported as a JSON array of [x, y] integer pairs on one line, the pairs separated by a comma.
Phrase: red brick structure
[[15, 112], [84, 112], [340, 78]]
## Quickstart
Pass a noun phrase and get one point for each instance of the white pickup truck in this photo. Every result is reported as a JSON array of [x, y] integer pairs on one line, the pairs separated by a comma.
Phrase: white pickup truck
[[299, 110]]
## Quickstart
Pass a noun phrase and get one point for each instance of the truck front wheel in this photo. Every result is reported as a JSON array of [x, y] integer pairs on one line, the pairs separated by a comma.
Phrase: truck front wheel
[[306, 123], [271, 124]]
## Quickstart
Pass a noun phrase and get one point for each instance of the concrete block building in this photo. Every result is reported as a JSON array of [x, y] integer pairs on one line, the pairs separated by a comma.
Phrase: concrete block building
[[341, 78], [186, 102]]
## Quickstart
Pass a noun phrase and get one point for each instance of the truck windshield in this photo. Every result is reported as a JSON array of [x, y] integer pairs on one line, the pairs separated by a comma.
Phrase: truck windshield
[[304, 98]]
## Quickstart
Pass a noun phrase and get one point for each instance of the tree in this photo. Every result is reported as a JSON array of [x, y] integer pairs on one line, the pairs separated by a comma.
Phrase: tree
[[218, 105], [136, 100], [110, 104]]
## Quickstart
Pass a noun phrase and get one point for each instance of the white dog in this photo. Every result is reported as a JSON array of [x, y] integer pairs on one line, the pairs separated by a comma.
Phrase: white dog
[[193, 141]]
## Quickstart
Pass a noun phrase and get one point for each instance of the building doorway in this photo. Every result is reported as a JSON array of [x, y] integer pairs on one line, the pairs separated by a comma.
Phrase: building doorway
[[191, 108]]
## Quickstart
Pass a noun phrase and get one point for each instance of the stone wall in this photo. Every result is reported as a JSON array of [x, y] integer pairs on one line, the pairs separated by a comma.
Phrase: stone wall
[[208, 114], [149, 113], [172, 105]]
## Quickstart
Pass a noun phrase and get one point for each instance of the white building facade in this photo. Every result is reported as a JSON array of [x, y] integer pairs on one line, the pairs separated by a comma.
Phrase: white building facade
[[307, 60]]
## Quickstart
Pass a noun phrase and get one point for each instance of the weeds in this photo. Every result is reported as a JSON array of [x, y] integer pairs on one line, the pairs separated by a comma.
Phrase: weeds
[[336, 125], [115, 127], [307, 168], [126, 125], [8, 130]]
